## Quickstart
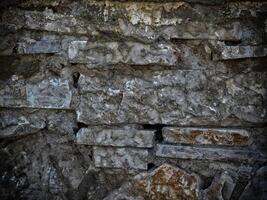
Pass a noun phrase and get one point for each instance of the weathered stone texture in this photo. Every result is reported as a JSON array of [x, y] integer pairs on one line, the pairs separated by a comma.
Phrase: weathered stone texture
[[115, 137], [137, 100], [112, 53], [207, 153], [120, 158], [171, 97], [51, 93], [165, 182], [231, 137]]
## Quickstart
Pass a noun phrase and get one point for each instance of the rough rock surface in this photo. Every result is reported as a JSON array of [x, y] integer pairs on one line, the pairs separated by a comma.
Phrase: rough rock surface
[[140, 100]]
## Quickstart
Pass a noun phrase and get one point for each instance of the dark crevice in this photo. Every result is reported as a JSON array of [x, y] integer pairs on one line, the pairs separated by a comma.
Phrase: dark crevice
[[150, 166], [157, 128], [75, 77], [233, 43], [80, 125]]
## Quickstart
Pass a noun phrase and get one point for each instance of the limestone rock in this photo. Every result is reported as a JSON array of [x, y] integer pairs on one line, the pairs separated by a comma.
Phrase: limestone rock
[[256, 188], [208, 153], [231, 137], [175, 97], [127, 158], [37, 47], [224, 52], [52, 93], [112, 53], [165, 182], [115, 137], [220, 183]]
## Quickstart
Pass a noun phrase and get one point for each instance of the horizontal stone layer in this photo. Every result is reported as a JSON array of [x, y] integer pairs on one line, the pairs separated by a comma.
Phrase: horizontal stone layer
[[126, 158], [115, 137], [37, 47], [211, 154], [215, 136], [133, 20], [111, 53], [50, 93], [224, 52], [171, 97]]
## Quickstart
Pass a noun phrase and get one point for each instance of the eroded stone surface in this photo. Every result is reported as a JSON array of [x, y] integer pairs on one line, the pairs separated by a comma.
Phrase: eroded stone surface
[[178, 97], [51, 93], [224, 52], [111, 53], [128, 158], [212, 154], [206, 136], [168, 182], [37, 47], [115, 137], [221, 187], [164, 183]]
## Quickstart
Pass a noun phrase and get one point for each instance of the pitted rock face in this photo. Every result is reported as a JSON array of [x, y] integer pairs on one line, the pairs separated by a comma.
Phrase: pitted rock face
[[133, 99], [168, 183]]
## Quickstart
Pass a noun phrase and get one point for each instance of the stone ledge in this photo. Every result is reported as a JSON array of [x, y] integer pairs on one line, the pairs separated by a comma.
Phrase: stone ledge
[[211, 154], [126, 158], [216, 136], [115, 137]]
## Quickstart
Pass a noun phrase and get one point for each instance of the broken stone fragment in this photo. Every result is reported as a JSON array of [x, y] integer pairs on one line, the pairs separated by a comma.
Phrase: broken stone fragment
[[224, 52], [208, 153], [217, 136], [164, 183], [112, 53], [127, 158], [37, 47], [51, 93], [21, 127], [221, 188], [115, 137]]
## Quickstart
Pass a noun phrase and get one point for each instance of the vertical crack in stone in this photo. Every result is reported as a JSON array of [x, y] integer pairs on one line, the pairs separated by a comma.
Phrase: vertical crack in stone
[[158, 128]]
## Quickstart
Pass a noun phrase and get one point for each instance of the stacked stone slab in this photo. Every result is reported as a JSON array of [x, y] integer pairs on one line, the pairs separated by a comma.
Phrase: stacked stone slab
[[118, 148], [133, 99]]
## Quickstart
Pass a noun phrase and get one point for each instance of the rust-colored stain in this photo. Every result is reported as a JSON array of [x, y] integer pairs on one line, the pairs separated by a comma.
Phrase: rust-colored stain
[[168, 183]]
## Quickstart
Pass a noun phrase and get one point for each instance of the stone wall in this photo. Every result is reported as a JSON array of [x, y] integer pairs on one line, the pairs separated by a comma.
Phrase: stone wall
[[136, 100]]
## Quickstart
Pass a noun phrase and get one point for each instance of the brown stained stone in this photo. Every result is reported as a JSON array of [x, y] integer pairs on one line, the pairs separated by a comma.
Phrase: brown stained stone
[[206, 136], [168, 183]]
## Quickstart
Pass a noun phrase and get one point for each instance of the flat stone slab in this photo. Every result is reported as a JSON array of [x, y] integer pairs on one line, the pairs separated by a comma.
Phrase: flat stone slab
[[38, 47], [212, 154], [217, 136], [224, 52], [126, 158], [115, 137], [112, 53], [51, 93]]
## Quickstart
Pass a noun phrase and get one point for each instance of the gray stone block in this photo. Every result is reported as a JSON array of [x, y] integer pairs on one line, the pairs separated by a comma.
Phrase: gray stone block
[[127, 158], [215, 136], [208, 153], [115, 137]]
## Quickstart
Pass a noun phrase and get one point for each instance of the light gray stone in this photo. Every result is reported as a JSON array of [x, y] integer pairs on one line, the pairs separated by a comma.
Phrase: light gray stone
[[127, 158], [216, 136], [37, 47], [224, 52], [51, 93], [212, 154], [21, 127], [112, 53], [176, 97], [115, 137]]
